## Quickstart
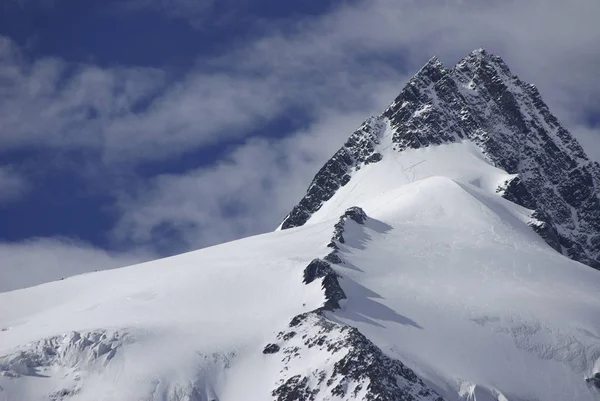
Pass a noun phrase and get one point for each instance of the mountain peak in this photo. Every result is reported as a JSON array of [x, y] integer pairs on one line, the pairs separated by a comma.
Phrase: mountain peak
[[432, 71], [480, 53], [482, 102], [481, 59]]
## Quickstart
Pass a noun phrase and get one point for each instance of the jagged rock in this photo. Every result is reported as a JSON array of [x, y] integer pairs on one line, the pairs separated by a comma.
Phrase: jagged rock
[[480, 100], [354, 213], [333, 291], [355, 369], [317, 269], [357, 151], [542, 225], [334, 258], [271, 349], [594, 380], [515, 191]]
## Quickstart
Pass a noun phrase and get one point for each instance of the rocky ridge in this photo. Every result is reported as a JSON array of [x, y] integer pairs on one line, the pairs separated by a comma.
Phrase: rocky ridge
[[359, 150], [355, 368]]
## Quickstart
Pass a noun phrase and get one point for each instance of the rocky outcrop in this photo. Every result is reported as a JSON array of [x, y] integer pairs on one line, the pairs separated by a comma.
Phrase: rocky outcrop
[[480, 100], [354, 213], [319, 268], [515, 191], [355, 369], [333, 291], [359, 150]]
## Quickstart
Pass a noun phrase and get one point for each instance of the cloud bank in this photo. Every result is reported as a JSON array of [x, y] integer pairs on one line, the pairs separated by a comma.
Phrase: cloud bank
[[41, 260]]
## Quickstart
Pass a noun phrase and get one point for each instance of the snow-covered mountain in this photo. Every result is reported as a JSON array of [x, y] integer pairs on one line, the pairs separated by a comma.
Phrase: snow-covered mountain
[[436, 256], [481, 101]]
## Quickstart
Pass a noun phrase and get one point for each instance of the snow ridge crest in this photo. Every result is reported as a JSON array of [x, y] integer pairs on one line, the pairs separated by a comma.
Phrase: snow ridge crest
[[355, 368]]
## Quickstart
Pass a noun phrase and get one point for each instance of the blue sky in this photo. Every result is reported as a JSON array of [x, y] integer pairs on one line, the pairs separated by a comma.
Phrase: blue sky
[[140, 128]]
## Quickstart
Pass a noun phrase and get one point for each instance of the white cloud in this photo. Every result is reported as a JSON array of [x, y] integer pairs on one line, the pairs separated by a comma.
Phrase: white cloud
[[48, 102], [248, 192], [36, 261]]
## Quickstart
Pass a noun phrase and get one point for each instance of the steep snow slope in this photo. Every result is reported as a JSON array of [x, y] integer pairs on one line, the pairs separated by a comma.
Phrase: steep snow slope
[[450, 289], [482, 300]]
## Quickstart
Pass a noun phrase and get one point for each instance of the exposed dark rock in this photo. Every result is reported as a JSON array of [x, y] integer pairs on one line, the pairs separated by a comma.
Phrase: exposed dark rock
[[271, 349], [358, 150], [334, 258], [317, 269], [355, 368], [482, 101], [543, 226], [354, 213], [333, 291], [594, 380], [515, 191], [295, 389]]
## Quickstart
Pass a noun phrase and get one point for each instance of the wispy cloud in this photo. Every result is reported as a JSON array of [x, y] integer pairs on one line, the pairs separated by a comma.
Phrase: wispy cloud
[[41, 260], [47, 102], [12, 185], [248, 192]]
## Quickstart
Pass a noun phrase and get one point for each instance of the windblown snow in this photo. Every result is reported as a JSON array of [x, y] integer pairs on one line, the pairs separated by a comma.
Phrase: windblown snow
[[444, 292]]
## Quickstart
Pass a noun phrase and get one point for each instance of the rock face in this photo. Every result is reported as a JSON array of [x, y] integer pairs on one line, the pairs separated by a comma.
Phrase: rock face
[[480, 100], [355, 369], [360, 149]]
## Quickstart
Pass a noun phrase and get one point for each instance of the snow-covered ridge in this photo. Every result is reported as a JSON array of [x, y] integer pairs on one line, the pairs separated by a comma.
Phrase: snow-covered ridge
[[481, 101], [346, 364], [354, 368]]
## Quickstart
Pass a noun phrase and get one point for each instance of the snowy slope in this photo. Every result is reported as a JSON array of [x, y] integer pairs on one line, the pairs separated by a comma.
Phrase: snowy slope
[[444, 275], [181, 315]]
